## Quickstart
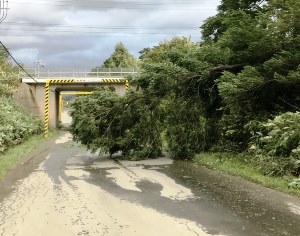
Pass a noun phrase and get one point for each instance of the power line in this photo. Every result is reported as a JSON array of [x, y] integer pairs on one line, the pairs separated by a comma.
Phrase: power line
[[97, 36], [96, 31], [125, 5], [73, 29], [14, 23], [19, 65], [125, 2], [114, 2], [91, 32]]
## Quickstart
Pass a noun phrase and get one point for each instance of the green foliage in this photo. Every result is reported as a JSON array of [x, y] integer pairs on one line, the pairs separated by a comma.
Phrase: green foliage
[[94, 120], [215, 26], [236, 90], [120, 58], [282, 135], [278, 143], [267, 81], [246, 166], [169, 72], [186, 129], [12, 156], [6, 90], [8, 75], [15, 124], [295, 183], [141, 120], [259, 41], [107, 122], [213, 95]]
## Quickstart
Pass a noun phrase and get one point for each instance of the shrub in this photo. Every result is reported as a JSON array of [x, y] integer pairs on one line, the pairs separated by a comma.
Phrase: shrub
[[15, 124], [278, 144]]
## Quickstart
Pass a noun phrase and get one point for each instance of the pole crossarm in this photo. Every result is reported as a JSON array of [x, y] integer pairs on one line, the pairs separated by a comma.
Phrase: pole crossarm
[[3, 10]]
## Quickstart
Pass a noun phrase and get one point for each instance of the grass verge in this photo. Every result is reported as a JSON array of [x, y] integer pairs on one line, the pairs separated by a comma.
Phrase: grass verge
[[13, 155], [236, 165]]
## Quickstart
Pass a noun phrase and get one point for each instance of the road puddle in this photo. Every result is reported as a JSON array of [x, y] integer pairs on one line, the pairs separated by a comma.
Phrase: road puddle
[[66, 190]]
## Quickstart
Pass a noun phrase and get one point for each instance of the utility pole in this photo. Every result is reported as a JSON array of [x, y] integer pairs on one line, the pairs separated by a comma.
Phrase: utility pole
[[3, 10], [40, 64]]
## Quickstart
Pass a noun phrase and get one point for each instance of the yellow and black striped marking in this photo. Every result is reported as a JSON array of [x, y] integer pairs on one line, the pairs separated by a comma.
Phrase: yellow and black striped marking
[[112, 81], [46, 124], [47, 90], [66, 81], [127, 85], [61, 81]]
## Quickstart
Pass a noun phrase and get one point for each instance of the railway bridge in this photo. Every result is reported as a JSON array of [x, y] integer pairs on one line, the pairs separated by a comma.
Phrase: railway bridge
[[42, 89]]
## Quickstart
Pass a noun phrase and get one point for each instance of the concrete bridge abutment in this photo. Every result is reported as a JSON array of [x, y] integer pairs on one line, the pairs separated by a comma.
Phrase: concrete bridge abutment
[[31, 96]]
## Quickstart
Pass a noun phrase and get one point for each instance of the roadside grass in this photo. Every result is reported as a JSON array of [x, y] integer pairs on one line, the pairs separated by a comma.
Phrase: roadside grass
[[13, 155], [239, 165]]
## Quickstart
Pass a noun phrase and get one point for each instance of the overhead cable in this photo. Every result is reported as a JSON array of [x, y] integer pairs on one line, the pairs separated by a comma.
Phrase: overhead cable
[[19, 65]]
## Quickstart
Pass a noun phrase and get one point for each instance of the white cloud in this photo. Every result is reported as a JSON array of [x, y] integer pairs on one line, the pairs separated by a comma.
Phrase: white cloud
[[66, 33]]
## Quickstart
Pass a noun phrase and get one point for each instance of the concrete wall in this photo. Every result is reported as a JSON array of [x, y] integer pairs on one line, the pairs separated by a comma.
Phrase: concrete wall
[[32, 97]]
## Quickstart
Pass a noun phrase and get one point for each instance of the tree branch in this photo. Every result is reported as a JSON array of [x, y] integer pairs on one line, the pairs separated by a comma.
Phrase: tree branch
[[226, 67]]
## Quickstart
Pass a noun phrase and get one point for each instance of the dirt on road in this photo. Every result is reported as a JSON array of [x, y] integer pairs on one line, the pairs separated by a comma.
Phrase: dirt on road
[[62, 189]]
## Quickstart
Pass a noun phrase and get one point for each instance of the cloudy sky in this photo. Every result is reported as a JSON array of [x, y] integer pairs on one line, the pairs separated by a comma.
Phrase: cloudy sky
[[83, 33]]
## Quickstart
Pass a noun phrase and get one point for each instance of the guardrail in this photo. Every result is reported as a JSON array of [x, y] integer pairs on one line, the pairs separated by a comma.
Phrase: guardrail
[[77, 73]]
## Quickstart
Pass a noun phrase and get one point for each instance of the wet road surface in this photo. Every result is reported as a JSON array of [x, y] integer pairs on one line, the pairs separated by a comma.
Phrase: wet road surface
[[61, 189]]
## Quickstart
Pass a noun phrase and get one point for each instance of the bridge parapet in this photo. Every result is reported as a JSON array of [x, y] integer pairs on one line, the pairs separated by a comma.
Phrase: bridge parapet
[[57, 73]]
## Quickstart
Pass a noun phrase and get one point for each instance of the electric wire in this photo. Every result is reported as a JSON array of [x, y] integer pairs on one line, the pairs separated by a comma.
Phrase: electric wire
[[121, 2], [117, 27], [92, 30], [123, 5], [98, 31], [20, 66], [81, 31], [115, 2]]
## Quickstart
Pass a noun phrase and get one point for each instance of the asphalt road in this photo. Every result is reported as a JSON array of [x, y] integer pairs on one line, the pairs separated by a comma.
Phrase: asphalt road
[[61, 189]]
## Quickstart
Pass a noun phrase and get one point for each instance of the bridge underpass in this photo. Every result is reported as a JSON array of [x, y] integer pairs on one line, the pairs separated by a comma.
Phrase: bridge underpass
[[64, 118], [40, 93]]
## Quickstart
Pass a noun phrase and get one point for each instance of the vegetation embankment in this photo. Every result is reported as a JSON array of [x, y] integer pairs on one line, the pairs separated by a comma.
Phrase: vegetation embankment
[[247, 167], [16, 125], [15, 154], [236, 91]]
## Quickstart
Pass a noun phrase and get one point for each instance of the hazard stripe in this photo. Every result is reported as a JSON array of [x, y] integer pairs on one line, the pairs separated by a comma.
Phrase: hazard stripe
[[127, 85], [46, 121], [65, 81], [112, 81], [60, 81]]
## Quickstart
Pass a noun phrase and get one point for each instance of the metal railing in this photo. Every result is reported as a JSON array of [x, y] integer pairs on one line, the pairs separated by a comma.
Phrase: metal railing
[[77, 73]]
